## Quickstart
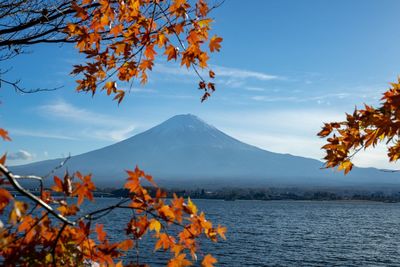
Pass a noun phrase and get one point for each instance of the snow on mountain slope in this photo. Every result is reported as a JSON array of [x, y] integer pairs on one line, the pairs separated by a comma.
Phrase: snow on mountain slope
[[185, 150]]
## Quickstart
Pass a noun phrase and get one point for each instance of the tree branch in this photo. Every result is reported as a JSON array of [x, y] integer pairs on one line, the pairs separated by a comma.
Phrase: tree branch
[[13, 181]]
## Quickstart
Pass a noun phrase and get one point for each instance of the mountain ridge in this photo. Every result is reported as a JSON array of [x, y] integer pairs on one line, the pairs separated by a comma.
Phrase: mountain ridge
[[185, 150]]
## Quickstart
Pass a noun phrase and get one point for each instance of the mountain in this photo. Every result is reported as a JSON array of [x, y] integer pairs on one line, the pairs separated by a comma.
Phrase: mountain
[[186, 151]]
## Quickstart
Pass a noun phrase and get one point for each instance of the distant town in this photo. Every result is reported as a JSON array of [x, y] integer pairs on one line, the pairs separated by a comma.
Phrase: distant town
[[265, 194]]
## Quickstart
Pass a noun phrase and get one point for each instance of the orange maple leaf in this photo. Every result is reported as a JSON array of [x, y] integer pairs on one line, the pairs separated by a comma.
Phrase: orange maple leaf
[[4, 135], [215, 43], [208, 261]]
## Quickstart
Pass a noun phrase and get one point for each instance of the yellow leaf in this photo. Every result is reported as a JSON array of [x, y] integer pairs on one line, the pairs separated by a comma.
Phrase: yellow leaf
[[155, 225], [221, 231], [191, 206], [346, 166]]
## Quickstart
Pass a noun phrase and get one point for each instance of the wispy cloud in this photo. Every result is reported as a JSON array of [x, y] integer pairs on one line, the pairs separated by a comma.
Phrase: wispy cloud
[[304, 98], [221, 71], [299, 121], [20, 155], [243, 74], [265, 98], [66, 111], [172, 69], [291, 131], [41, 134], [93, 124], [141, 90], [290, 142], [111, 134]]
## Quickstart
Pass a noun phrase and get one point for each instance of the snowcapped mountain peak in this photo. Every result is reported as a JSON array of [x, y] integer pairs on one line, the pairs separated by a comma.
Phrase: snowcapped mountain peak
[[187, 129], [184, 148], [185, 121]]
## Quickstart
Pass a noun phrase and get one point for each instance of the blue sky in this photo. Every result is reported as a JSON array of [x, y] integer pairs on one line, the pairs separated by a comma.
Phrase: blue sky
[[284, 68]]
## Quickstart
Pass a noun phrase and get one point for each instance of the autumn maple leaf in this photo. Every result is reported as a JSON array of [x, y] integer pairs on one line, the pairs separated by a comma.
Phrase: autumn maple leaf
[[215, 43]]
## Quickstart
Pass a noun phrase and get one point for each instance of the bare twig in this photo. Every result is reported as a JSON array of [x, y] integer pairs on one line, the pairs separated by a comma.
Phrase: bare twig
[[13, 181], [62, 163], [19, 89], [32, 177]]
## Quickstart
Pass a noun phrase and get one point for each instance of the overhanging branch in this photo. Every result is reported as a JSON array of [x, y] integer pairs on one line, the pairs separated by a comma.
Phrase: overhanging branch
[[13, 181]]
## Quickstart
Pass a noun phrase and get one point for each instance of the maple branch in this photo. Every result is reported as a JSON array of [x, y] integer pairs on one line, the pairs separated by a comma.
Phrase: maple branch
[[136, 241], [106, 210], [119, 205], [62, 163], [44, 19], [32, 177], [181, 43], [13, 181], [28, 40], [154, 215], [125, 61], [87, 240]]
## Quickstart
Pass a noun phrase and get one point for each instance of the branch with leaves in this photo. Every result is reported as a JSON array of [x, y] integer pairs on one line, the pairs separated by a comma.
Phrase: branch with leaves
[[120, 39], [27, 238], [363, 129]]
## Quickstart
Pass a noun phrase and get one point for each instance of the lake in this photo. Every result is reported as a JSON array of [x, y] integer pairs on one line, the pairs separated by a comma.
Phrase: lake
[[289, 233]]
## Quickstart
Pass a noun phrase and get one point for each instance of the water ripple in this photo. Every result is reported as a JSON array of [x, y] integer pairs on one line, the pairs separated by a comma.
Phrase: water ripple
[[293, 233]]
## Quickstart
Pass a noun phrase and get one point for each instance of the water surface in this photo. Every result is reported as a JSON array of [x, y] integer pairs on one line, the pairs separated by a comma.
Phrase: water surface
[[290, 233]]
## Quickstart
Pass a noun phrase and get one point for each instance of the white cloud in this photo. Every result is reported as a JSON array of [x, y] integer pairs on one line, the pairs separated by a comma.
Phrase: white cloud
[[243, 74], [221, 71], [283, 131], [20, 155], [306, 146], [293, 132], [92, 124], [320, 99], [277, 98], [41, 134], [140, 90], [299, 145], [112, 134], [66, 111], [294, 122], [173, 69], [233, 82]]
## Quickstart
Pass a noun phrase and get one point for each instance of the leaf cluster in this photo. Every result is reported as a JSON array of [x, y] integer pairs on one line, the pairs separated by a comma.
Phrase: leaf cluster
[[119, 38], [122, 38], [363, 129], [32, 238]]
